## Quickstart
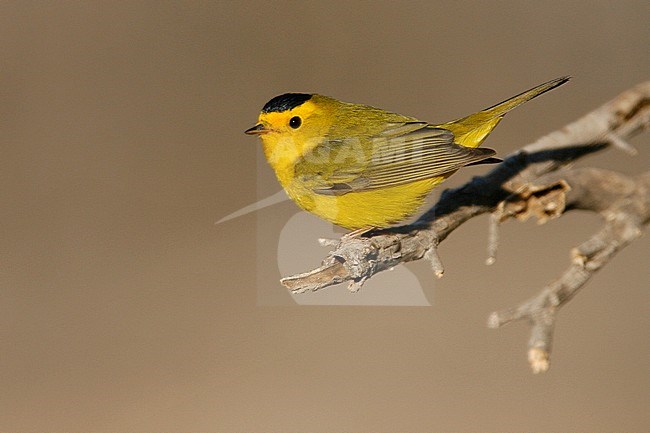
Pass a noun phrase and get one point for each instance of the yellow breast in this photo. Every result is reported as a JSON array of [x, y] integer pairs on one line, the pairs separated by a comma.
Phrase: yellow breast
[[376, 208]]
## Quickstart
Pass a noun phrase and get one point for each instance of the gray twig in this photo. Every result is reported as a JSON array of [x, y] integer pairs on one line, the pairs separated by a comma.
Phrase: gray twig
[[533, 181]]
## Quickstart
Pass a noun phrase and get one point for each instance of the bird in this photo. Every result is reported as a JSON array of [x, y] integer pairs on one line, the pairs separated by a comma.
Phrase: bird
[[364, 168]]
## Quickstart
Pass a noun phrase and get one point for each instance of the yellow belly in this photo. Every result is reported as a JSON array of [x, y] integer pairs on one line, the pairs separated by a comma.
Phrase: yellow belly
[[376, 208]]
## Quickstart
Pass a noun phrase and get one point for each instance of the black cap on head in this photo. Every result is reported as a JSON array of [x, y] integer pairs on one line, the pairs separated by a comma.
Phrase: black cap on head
[[285, 102]]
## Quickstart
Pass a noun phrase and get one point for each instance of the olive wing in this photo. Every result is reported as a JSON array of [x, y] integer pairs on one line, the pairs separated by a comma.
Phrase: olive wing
[[401, 153]]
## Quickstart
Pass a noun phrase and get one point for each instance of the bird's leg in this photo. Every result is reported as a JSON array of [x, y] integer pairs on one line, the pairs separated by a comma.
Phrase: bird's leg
[[358, 232], [351, 235]]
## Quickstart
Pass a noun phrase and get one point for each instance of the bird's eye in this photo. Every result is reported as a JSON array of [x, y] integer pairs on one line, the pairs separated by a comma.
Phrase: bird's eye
[[295, 122]]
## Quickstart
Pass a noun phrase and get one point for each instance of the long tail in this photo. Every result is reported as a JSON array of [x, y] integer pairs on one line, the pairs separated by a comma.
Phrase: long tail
[[470, 131]]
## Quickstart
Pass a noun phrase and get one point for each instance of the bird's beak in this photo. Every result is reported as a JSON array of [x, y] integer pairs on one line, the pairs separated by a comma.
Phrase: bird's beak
[[258, 129]]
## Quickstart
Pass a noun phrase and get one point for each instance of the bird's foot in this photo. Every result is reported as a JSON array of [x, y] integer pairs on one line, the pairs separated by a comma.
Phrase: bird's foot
[[357, 233]]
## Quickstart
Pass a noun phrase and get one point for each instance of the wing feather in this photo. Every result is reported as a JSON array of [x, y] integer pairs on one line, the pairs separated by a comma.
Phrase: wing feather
[[402, 153]]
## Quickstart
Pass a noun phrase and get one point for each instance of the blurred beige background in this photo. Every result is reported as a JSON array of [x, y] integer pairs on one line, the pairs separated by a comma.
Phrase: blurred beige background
[[123, 308]]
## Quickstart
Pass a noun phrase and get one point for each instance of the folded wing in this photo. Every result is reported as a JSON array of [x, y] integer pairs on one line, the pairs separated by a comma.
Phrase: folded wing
[[402, 153]]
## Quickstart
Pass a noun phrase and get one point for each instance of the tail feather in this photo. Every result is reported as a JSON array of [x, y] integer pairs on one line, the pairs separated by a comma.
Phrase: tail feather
[[502, 108], [470, 131]]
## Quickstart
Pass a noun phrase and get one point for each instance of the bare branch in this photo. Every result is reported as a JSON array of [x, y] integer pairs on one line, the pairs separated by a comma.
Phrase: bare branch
[[530, 182], [355, 258], [624, 204]]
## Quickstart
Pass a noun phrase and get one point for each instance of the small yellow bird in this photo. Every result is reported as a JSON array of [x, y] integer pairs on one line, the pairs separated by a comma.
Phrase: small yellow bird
[[361, 167]]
